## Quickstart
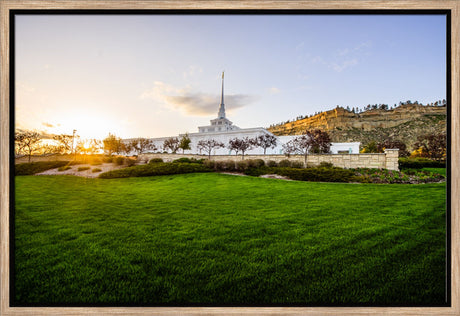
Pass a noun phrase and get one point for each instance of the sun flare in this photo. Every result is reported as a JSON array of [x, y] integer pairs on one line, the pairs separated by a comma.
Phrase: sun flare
[[89, 126]]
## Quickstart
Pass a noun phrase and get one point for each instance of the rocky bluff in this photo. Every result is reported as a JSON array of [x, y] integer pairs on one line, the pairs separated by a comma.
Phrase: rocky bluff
[[405, 122]]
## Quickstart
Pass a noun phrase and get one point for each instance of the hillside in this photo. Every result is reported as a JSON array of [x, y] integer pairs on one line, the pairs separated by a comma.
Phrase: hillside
[[405, 123]]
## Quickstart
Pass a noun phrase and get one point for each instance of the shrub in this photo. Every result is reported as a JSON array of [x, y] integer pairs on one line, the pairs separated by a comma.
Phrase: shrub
[[83, 168], [297, 164], [256, 172], [420, 163], [108, 159], [284, 163], [155, 160], [24, 169], [130, 162], [219, 166], [272, 163], [222, 165], [155, 170], [326, 165], [229, 165], [318, 174], [96, 170], [413, 176], [255, 163], [209, 164], [188, 160], [119, 160], [241, 165], [64, 168]]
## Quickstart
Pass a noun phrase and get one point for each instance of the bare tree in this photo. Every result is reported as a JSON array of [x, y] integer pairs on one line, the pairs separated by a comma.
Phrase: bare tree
[[94, 146], [241, 145], [27, 142], [65, 143], [299, 145], [208, 145], [234, 144], [265, 141], [171, 144], [315, 141], [140, 145]]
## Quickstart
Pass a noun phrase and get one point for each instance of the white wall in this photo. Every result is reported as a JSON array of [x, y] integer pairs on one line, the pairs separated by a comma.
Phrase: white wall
[[224, 137]]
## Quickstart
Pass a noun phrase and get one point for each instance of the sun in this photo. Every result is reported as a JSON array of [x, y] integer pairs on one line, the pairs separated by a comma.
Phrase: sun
[[88, 126]]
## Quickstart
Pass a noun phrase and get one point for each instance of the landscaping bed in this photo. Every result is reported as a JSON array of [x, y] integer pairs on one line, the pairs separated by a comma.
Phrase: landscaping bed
[[325, 172]]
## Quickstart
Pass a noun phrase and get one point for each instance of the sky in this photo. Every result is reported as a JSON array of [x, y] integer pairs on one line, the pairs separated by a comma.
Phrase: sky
[[160, 75]]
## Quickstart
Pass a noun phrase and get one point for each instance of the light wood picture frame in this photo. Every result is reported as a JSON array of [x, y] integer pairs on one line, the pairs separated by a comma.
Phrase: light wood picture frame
[[7, 5]]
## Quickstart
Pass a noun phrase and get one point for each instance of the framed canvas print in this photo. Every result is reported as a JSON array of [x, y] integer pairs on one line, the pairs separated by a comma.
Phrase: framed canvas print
[[173, 157]]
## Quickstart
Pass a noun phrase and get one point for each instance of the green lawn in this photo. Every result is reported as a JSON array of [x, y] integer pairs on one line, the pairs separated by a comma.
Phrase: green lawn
[[227, 240], [442, 171]]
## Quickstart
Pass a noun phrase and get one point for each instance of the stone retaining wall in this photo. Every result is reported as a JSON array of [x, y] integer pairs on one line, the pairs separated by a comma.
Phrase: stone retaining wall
[[387, 160]]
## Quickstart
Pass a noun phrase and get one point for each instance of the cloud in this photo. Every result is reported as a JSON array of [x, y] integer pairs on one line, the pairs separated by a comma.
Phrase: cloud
[[344, 58], [274, 90], [194, 103], [343, 65], [358, 48], [48, 124]]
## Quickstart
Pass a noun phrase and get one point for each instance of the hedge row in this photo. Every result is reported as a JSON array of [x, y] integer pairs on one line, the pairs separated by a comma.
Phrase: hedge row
[[318, 174], [25, 169], [420, 163], [156, 169], [244, 165]]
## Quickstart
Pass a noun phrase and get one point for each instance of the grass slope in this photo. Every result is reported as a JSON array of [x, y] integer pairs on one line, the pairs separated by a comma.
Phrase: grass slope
[[221, 239]]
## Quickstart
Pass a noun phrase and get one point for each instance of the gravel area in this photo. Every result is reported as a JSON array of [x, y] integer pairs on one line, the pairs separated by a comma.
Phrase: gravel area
[[84, 173]]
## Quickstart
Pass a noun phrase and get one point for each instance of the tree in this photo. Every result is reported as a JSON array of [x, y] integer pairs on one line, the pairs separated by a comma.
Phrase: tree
[[371, 147], [265, 141], [393, 144], [113, 144], [233, 144], [241, 145], [27, 142], [298, 145], [432, 146], [65, 143], [93, 146], [208, 145], [172, 144], [320, 141], [139, 145], [184, 143], [315, 141]]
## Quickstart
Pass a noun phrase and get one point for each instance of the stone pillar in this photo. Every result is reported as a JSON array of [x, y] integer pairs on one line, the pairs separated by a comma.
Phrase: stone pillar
[[391, 159]]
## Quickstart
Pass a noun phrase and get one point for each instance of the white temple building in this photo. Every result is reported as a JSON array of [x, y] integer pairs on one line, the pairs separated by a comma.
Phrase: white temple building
[[222, 129]]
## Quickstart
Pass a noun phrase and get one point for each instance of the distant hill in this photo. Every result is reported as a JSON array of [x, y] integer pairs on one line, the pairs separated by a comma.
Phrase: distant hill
[[405, 122]]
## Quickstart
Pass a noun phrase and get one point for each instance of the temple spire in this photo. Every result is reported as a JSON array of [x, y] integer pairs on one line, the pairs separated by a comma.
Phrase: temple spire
[[221, 113]]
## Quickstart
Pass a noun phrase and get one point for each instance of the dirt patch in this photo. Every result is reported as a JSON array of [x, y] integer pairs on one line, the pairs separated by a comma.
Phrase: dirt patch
[[84, 173], [234, 174], [267, 176], [275, 176]]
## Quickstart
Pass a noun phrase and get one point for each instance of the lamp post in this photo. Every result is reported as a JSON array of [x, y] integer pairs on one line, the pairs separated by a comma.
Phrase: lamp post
[[73, 143]]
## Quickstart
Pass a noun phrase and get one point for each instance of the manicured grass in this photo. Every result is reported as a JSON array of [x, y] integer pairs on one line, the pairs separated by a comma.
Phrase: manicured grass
[[442, 171], [227, 240]]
